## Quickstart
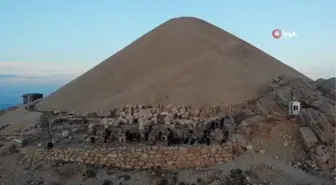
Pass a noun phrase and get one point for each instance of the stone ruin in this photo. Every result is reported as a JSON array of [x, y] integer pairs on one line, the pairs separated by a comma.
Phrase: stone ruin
[[317, 120], [184, 126], [137, 137], [141, 124]]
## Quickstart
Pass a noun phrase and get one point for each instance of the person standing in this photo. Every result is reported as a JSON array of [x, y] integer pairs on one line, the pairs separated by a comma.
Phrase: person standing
[[169, 137]]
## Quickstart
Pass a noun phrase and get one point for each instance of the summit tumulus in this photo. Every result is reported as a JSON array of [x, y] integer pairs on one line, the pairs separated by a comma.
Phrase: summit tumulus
[[183, 61]]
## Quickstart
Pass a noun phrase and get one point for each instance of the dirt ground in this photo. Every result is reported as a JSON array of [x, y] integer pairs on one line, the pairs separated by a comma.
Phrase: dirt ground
[[18, 119], [279, 139]]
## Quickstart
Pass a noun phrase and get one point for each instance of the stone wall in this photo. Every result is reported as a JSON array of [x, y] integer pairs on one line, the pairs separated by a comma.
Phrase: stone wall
[[140, 158]]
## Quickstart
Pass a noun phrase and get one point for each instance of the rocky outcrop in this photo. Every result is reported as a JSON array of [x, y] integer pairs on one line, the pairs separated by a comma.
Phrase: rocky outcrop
[[318, 104], [323, 156], [318, 123], [280, 93], [327, 107], [317, 115]]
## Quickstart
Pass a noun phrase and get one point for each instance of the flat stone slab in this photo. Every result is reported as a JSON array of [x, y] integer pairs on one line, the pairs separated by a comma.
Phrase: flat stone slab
[[308, 137]]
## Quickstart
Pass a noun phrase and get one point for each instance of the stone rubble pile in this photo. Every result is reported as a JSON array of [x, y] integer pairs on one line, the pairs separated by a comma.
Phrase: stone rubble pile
[[237, 177], [308, 166], [141, 118]]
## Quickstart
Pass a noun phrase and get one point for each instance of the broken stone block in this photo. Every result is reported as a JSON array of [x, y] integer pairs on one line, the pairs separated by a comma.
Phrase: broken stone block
[[111, 122], [18, 142], [195, 119], [141, 125], [240, 140], [189, 122], [122, 114], [154, 120], [165, 113], [321, 154], [135, 115], [262, 151], [122, 139], [308, 137], [219, 135], [146, 114], [167, 121], [91, 128], [213, 134], [104, 122], [172, 126], [175, 110], [88, 139], [130, 118], [65, 133], [331, 162], [122, 120], [249, 147]]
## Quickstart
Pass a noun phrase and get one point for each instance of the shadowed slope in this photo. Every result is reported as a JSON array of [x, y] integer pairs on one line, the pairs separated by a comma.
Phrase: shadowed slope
[[183, 61]]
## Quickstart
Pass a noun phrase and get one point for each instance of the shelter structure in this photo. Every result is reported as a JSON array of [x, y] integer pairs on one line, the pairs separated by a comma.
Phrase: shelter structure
[[294, 108], [31, 97]]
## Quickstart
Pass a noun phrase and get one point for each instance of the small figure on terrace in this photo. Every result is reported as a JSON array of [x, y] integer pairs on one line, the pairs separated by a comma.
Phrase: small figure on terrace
[[169, 137]]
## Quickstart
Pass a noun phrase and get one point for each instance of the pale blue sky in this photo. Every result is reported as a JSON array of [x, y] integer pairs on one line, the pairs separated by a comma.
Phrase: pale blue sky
[[69, 37]]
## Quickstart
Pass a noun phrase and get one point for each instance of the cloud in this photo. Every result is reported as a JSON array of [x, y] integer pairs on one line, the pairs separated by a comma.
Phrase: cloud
[[41, 69], [53, 79], [42, 73]]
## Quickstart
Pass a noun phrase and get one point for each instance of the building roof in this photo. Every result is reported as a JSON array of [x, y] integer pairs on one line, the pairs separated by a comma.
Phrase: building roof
[[32, 94]]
